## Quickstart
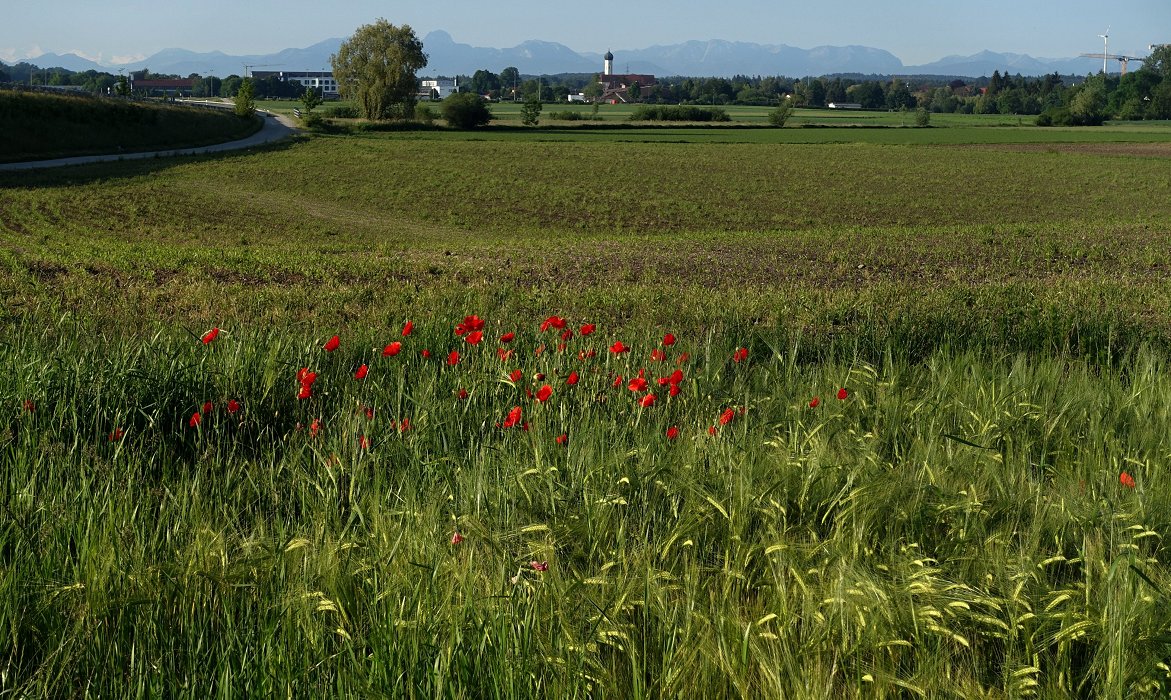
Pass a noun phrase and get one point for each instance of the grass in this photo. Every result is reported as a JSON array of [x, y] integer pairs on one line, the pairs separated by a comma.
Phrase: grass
[[956, 526], [56, 126]]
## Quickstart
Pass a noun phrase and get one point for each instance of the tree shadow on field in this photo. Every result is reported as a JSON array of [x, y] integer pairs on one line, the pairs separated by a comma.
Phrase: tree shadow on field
[[70, 175]]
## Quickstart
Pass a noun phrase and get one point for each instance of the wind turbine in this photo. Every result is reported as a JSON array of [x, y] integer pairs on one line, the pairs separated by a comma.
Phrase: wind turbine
[[1105, 48]]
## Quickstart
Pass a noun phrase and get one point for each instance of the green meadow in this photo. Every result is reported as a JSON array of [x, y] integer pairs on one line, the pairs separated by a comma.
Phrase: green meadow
[[681, 412]]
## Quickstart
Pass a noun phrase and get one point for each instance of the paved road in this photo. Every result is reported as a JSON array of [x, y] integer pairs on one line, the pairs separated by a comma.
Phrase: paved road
[[276, 127]]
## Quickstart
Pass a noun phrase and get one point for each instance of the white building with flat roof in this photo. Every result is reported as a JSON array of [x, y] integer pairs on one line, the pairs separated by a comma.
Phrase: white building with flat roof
[[437, 88], [322, 81]]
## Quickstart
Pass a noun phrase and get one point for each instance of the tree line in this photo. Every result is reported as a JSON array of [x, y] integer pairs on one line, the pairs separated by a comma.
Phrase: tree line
[[104, 83], [1141, 94]]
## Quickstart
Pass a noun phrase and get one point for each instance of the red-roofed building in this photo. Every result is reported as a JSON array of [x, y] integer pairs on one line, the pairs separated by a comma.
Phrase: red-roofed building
[[616, 87]]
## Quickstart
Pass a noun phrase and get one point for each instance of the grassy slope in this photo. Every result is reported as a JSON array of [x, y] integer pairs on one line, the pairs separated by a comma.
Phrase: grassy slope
[[827, 239], [853, 550], [39, 126]]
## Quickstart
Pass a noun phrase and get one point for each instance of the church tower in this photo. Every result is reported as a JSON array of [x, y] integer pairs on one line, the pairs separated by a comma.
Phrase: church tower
[[609, 69]]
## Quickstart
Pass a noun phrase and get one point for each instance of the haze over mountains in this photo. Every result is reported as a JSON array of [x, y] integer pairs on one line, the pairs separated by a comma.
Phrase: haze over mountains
[[692, 58]]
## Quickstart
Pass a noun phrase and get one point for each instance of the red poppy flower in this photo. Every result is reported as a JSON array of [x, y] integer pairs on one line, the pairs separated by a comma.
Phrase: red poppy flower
[[504, 355], [566, 334], [843, 394], [332, 344], [711, 430], [539, 376], [363, 442], [469, 325], [361, 373], [456, 538], [587, 329], [404, 425], [474, 337], [617, 381], [590, 353], [683, 358], [208, 406], [408, 328], [637, 384], [672, 433], [562, 439], [305, 392], [233, 407], [368, 412], [676, 377], [210, 336], [668, 340], [1126, 480], [539, 566], [815, 402], [647, 401], [453, 358], [571, 380], [392, 349], [561, 347], [727, 416], [515, 375], [426, 354], [740, 355], [28, 406], [544, 393], [315, 427], [462, 394], [555, 322], [658, 355], [507, 337], [195, 420], [537, 352], [304, 376], [116, 435], [618, 348], [513, 418], [674, 390]]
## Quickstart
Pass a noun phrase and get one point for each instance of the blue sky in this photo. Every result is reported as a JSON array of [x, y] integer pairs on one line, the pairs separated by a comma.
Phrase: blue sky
[[917, 31]]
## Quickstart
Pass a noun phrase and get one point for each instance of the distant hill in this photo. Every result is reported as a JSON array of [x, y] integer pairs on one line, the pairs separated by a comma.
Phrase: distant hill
[[69, 61], [985, 62], [692, 58]]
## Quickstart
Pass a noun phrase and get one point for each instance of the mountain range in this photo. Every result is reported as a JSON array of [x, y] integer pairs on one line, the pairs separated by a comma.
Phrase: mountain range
[[691, 58]]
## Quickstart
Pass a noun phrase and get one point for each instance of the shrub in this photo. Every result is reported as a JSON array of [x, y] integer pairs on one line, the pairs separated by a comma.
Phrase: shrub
[[568, 115], [1060, 116], [781, 114], [530, 112], [424, 114], [678, 113], [922, 117], [342, 112], [464, 110]]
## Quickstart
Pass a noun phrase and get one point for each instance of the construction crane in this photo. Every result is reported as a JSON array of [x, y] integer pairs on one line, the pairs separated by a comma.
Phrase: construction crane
[[249, 66], [1124, 60]]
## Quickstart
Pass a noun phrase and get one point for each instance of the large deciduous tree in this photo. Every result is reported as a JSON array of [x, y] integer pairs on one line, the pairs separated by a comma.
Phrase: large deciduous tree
[[376, 69]]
